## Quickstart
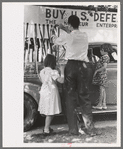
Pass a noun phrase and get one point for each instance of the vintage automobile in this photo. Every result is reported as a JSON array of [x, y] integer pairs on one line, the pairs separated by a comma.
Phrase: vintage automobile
[[32, 86]]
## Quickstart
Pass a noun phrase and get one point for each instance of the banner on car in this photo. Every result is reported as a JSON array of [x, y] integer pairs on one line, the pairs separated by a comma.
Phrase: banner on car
[[51, 15]]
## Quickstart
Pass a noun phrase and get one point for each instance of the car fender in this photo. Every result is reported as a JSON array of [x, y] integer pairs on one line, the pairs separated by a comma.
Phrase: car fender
[[33, 90]]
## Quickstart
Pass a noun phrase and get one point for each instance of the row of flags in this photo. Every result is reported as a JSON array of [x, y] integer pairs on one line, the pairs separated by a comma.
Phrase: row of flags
[[37, 41]]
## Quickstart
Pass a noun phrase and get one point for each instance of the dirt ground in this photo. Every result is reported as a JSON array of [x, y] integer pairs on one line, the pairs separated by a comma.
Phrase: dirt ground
[[60, 135]]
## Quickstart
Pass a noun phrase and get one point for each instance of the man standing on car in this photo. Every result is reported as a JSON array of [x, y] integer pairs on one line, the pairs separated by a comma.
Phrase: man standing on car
[[76, 75]]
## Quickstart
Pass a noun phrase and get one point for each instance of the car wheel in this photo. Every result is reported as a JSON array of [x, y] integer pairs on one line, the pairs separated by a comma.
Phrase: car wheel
[[30, 112]]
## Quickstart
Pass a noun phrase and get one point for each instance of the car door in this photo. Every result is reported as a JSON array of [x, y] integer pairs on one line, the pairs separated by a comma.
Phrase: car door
[[111, 87]]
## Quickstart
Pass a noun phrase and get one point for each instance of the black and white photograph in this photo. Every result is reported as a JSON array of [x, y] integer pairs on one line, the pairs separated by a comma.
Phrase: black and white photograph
[[65, 58]]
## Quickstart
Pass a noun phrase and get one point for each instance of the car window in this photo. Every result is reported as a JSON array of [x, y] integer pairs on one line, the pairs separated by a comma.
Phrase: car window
[[94, 53]]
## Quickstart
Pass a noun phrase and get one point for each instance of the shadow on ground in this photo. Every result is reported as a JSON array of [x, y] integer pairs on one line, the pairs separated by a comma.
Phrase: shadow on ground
[[108, 135]]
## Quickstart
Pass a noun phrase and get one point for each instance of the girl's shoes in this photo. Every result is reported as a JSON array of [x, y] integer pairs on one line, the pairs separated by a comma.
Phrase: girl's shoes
[[51, 130], [104, 107], [48, 133], [97, 107]]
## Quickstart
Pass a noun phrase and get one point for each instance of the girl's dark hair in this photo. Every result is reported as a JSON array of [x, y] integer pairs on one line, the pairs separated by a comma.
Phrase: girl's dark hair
[[74, 21], [107, 47], [50, 61]]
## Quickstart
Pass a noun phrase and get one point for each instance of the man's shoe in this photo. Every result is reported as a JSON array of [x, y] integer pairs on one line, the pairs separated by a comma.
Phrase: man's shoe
[[92, 132], [73, 134]]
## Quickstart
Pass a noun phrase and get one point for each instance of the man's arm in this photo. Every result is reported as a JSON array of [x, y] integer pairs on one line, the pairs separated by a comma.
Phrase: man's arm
[[62, 39], [65, 28]]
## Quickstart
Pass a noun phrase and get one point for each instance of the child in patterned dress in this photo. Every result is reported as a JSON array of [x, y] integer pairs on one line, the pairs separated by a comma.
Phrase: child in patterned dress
[[100, 75], [49, 103]]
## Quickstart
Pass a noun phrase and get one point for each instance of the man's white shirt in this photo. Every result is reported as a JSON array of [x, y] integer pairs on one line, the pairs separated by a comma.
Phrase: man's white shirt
[[76, 44]]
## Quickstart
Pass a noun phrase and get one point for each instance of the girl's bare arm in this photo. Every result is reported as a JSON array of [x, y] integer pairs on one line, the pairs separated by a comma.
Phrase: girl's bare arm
[[102, 68], [61, 78]]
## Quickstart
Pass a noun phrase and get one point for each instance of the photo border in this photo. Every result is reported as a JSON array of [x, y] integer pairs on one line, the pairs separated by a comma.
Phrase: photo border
[[1, 54]]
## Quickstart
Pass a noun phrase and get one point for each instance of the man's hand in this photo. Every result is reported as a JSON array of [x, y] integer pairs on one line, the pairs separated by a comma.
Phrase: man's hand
[[61, 26], [65, 28]]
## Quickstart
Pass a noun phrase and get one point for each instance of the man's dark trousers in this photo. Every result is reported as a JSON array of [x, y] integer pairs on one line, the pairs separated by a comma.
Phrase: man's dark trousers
[[77, 74]]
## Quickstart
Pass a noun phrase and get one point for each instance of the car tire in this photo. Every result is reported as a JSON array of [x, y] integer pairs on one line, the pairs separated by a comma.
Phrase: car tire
[[30, 112]]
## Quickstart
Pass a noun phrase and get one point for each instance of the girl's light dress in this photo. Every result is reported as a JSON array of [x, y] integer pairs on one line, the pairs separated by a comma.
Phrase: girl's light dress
[[49, 103]]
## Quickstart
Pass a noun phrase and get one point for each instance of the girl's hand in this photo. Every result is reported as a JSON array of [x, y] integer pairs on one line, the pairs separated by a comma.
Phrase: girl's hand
[[62, 68], [57, 68], [95, 73], [61, 78]]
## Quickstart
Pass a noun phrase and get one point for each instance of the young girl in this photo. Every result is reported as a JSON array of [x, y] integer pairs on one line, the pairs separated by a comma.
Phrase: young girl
[[50, 103], [100, 75]]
